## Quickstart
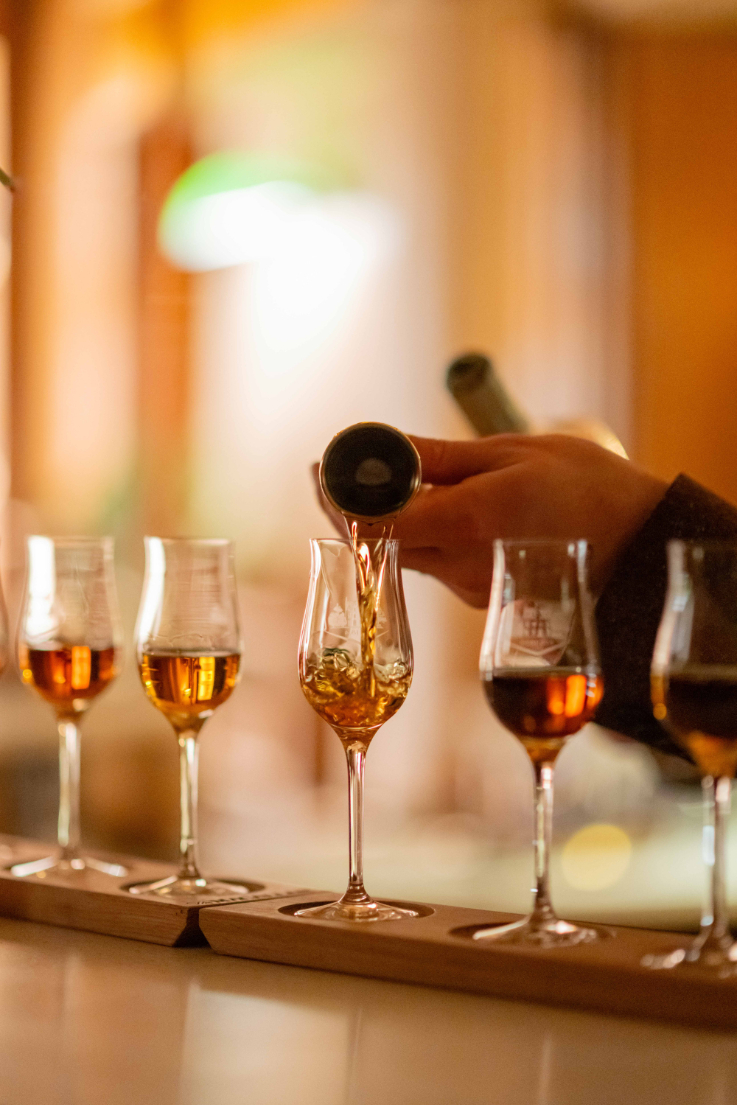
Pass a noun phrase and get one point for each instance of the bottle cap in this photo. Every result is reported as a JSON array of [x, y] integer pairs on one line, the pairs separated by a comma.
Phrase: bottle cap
[[370, 471], [468, 372]]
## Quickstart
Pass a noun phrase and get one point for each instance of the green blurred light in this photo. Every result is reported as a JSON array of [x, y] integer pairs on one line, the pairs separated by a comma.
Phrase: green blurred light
[[231, 206], [229, 170]]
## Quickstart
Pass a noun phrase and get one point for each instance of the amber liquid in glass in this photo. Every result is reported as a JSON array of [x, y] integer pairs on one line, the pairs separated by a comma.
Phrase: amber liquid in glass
[[352, 698], [543, 707], [699, 706], [69, 676], [188, 687]]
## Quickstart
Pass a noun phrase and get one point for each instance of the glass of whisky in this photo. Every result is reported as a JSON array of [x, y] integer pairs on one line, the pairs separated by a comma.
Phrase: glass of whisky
[[355, 669], [69, 651], [189, 651], [693, 681], [540, 670]]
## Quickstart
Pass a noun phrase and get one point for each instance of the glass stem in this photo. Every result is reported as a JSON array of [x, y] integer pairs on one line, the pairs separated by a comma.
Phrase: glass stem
[[707, 850], [715, 934], [68, 827], [542, 911], [188, 762], [355, 753]]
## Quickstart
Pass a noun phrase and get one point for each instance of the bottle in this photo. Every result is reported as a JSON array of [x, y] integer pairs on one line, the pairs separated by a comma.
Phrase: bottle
[[370, 472], [482, 397]]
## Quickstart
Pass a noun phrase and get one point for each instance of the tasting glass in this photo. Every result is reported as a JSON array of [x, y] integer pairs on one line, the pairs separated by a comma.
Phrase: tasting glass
[[540, 669], [694, 693], [188, 648], [69, 641], [355, 681]]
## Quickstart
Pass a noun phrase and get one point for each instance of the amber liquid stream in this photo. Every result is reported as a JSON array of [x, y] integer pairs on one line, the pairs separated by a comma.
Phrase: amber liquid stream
[[350, 697]]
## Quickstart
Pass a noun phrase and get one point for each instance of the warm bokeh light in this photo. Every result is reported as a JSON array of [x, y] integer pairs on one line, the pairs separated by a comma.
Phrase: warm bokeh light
[[596, 857]]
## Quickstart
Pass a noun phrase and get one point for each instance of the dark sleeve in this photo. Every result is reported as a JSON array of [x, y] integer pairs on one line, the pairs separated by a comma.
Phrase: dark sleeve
[[628, 611]]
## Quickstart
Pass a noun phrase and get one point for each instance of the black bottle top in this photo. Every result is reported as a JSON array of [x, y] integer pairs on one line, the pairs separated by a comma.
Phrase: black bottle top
[[370, 471], [480, 394]]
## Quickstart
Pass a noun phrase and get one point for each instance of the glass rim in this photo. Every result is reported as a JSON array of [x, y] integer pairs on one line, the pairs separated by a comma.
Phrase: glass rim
[[541, 542], [107, 539], [347, 542], [213, 542], [720, 544]]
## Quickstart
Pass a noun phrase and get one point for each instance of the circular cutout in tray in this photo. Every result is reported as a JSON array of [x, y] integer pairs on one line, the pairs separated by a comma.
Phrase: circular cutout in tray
[[422, 909], [468, 932], [251, 887]]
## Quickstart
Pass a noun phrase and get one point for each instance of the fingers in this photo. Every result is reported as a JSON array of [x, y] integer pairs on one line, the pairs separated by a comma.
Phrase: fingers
[[446, 512], [429, 561], [472, 587], [437, 516], [448, 462]]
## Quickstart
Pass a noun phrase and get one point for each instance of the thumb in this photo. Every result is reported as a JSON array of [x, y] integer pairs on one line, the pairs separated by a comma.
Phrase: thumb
[[448, 462]]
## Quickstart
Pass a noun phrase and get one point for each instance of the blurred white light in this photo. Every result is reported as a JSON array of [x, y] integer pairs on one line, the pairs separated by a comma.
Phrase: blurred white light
[[149, 615], [310, 286], [42, 620], [232, 227]]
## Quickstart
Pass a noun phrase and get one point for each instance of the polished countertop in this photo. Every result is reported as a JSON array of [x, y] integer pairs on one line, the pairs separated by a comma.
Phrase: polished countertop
[[93, 1020]]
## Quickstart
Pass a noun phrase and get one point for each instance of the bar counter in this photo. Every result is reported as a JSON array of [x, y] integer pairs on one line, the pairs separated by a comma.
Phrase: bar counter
[[87, 1019]]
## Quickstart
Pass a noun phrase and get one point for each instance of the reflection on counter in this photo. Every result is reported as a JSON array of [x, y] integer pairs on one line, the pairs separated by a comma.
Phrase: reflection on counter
[[90, 1019]]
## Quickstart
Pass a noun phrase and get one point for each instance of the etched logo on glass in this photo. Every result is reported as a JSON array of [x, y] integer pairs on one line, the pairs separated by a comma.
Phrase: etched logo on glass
[[532, 634]]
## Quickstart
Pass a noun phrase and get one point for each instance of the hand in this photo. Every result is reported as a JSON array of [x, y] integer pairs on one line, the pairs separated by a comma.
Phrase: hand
[[514, 486]]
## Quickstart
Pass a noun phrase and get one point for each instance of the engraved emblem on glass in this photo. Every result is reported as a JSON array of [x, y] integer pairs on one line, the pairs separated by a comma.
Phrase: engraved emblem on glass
[[540, 670], [355, 669], [693, 681], [69, 642], [189, 650]]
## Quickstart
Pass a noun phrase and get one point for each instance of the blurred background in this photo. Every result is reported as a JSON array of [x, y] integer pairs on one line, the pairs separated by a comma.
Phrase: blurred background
[[239, 227]]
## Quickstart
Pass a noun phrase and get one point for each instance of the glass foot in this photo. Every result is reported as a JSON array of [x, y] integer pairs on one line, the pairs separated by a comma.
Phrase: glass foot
[[188, 889], [367, 910], [53, 865], [552, 933], [718, 956]]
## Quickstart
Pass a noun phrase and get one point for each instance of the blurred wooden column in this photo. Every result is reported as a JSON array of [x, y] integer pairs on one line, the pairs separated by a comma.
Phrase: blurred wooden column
[[5, 238], [677, 97], [21, 18], [164, 363], [74, 309]]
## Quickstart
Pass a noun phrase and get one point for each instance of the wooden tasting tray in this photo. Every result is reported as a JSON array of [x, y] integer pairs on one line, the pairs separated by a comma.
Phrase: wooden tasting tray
[[100, 903], [434, 950]]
